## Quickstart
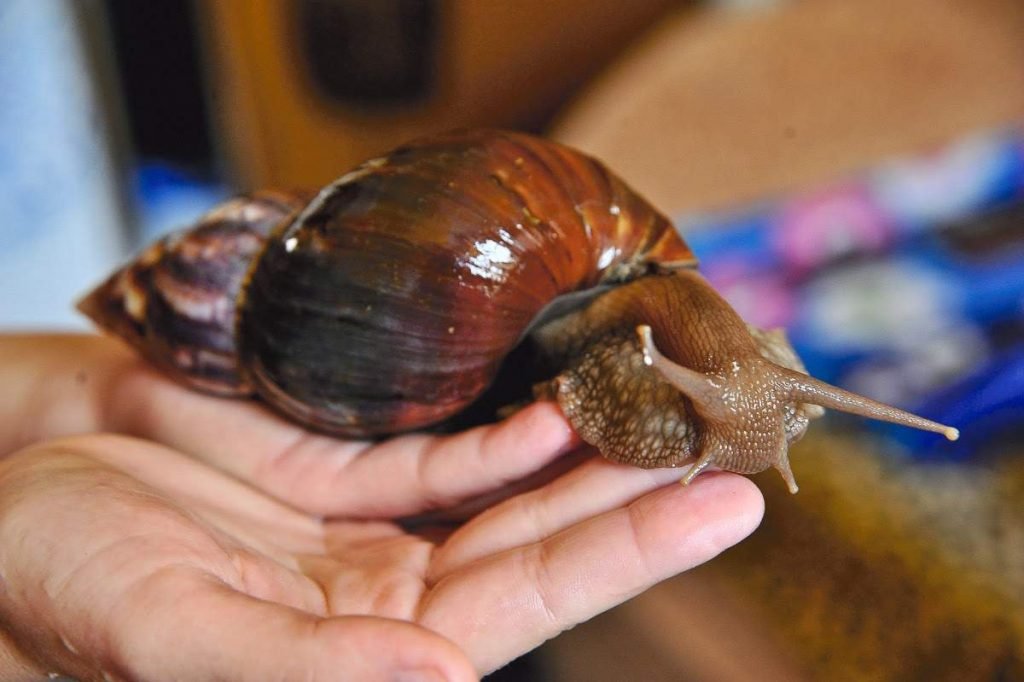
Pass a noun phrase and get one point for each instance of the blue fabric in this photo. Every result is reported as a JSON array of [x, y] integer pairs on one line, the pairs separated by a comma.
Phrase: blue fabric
[[905, 283]]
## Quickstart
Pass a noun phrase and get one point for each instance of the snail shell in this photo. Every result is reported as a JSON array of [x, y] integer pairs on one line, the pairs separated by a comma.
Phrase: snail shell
[[389, 302]]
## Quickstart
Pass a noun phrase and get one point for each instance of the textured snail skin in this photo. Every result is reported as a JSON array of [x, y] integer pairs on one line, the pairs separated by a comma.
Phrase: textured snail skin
[[389, 302]]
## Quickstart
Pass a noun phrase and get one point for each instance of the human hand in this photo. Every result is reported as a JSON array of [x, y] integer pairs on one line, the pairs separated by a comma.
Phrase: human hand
[[232, 543]]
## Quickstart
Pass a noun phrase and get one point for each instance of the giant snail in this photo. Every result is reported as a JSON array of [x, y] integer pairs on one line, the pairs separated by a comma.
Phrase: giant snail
[[388, 302]]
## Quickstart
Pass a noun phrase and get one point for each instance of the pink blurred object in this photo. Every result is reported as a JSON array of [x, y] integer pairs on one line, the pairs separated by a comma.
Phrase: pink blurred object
[[825, 226]]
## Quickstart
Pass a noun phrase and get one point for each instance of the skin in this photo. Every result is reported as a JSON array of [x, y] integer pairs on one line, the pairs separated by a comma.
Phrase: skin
[[134, 512]]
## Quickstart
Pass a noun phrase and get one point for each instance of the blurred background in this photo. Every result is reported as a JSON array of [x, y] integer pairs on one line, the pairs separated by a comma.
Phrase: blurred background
[[852, 171]]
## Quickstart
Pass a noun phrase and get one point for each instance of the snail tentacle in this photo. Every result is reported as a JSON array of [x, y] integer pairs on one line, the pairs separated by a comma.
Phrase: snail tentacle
[[810, 390], [707, 458], [782, 466], [702, 390]]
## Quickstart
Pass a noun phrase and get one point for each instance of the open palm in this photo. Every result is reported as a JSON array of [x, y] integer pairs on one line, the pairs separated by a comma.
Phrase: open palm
[[206, 539]]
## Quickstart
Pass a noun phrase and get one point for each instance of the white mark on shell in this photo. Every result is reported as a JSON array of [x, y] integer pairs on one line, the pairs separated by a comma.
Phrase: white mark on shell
[[134, 300], [491, 260]]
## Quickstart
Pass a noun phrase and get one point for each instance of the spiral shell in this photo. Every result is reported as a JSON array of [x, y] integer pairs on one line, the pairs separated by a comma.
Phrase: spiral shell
[[176, 302]]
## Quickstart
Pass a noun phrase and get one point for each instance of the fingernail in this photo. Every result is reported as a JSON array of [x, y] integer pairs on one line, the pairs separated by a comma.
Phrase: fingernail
[[420, 675]]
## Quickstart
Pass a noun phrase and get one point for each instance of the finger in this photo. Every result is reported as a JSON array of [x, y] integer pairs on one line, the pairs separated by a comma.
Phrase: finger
[[447, 519], [536, 591], [219, 633], [410, 474], [593, 488], [329, 476]]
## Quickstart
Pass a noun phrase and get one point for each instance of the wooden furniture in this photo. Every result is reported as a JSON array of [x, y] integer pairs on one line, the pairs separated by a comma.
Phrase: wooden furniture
[[497, 64]]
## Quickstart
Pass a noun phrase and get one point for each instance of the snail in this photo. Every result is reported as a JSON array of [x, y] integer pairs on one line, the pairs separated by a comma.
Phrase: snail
[[388, 302]]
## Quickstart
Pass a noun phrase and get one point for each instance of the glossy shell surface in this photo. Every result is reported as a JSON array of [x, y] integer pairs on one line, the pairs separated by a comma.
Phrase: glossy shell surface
[[389, 302]]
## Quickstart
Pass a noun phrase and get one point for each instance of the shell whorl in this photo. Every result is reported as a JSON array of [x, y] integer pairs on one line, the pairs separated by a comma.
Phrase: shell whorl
[[177, 302], [391, 300]]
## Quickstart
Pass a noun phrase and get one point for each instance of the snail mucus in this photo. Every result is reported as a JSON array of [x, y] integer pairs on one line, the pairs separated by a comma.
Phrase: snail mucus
[[387, 303]]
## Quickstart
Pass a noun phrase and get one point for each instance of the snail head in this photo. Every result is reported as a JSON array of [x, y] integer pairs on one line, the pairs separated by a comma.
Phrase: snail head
[[743, 409]]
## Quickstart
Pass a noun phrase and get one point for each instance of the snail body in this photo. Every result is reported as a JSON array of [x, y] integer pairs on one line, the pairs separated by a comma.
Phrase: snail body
[[388, 302]]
